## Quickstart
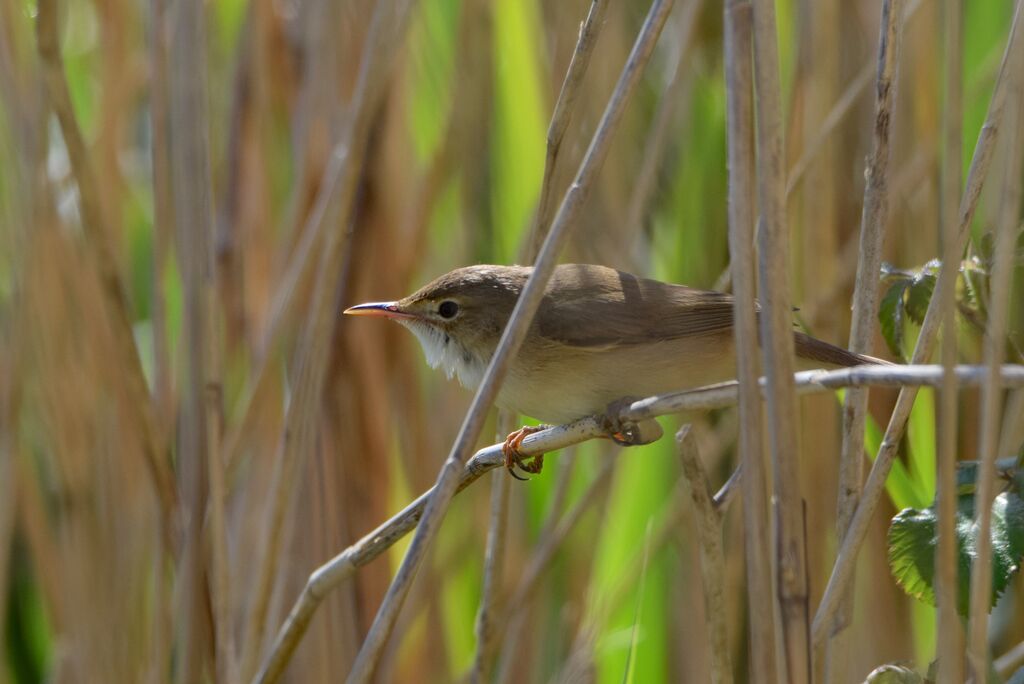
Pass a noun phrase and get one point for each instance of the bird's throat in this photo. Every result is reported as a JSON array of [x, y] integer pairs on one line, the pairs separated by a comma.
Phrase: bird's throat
[[445, 352]]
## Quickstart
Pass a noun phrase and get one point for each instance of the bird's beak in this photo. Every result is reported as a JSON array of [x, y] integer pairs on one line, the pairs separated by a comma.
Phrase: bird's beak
[[383, 309]]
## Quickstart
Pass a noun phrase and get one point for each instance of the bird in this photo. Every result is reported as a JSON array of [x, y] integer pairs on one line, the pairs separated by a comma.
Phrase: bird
[[599, 337]]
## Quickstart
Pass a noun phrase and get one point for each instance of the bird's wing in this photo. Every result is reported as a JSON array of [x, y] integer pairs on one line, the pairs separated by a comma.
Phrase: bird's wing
[[598, 306]]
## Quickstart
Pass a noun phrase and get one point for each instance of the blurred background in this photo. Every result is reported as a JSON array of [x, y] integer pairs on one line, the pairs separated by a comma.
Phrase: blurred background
[[105, 432]]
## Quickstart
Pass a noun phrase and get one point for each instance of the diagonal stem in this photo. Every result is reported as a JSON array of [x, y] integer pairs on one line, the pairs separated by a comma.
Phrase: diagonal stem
[[511, 340]]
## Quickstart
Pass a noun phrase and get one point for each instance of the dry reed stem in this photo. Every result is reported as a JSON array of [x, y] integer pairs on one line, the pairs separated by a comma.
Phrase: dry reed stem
[[1006, 664], [950, 639], [511, 340], [494, 560], [874, 216], [98, 243], [193, 212], [163, 211], [708, 521], [220, 568], [343, 566], [565, 106], [561, 117], [777, 344], [10, 390], [740, 120], [334, 208], [991, 392], [842, 570]]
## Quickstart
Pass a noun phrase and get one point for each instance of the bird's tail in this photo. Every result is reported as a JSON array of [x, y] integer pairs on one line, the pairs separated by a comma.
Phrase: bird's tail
[[813, 349]]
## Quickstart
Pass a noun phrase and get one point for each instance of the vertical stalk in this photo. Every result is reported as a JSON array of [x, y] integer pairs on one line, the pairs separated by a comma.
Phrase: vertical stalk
[[777, 341], [740, 118], [494, 561], [193, 212], [992, 391], [712, 557], [875, 213], [950, 631]]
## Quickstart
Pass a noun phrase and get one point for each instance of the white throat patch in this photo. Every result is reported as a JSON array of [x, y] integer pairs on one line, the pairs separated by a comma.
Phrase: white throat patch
[[443, 351]]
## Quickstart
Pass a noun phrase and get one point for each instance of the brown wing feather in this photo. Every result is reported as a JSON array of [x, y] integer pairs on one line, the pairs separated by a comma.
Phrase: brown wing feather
[[813, 349], [598, 306]]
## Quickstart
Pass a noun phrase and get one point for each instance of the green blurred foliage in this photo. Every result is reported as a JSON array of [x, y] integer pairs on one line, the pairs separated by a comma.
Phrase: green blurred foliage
[[687, 239]]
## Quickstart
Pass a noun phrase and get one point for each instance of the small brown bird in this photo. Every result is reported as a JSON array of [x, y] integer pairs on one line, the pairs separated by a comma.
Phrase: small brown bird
[[599, 335]]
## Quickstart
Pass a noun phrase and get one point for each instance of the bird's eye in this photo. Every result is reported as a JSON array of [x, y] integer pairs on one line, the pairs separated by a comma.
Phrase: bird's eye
[[448, 309]]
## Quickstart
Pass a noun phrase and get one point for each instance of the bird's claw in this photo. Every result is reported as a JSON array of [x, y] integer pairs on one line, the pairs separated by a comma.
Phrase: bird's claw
[[513, 457], [628, 433]]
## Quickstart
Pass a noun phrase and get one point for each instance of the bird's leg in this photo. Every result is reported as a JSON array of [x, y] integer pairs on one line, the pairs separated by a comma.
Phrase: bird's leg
[[627, 433], [513, 457]]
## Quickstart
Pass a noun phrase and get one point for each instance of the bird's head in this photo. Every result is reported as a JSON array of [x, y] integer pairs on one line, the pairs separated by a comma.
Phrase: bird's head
[[458, 317]]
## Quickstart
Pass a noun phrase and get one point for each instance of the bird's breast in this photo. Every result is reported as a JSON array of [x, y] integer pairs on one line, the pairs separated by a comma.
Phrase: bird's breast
[[558, 383]]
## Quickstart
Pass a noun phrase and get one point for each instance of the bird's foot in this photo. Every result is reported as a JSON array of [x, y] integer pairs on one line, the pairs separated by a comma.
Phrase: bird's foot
[[629, 433], [513, 457]]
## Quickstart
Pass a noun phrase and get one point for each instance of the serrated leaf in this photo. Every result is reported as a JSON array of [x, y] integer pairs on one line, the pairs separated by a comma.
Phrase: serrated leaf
[[919, 295], [913, 539], [890, 316], [975, 272], [894, 674]]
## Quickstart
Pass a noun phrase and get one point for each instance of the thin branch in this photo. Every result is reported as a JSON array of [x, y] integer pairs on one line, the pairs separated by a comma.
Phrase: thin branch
[[1005, 664], [874, 216], [708, 521], [778, 353], [565, 106], [740, 119], [991, 392], [511, 340], [343, 566], [815, 382], [725, 495], [842, 571], [494, 561], [334, 208], [950, 630]]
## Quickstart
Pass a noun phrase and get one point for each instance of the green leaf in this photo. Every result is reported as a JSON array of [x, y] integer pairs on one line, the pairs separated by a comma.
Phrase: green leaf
[[890, 316], [921, 452], [913, 539], [919, 295], [903, 489]]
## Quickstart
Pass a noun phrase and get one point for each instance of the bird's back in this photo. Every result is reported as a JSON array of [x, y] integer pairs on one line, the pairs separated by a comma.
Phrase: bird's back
[[606, 334]]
